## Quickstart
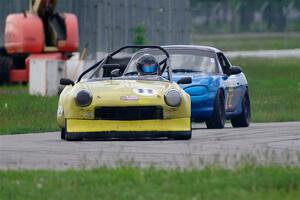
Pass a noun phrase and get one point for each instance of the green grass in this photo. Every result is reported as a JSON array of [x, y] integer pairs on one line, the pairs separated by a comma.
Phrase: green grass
[[22, 113], [131, 183], [238, 42], [274, 91], [13, 89], [274, 88]]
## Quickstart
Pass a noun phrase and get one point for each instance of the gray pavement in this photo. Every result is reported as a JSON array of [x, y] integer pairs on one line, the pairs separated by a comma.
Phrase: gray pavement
[[261, 143]]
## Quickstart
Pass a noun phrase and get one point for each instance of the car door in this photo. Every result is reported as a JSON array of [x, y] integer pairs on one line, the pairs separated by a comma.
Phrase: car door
[[232, 85]]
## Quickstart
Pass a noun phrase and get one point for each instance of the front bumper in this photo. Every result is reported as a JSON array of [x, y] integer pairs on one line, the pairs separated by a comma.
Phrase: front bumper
[[202, 106], [181, 135], [92, 129]]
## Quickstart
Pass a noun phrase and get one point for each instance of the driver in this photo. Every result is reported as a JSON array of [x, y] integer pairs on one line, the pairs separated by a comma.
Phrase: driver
[[147, 65]]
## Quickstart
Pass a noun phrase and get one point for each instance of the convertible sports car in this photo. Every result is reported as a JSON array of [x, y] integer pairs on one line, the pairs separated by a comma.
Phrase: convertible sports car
[[140, 104], [218, 91]]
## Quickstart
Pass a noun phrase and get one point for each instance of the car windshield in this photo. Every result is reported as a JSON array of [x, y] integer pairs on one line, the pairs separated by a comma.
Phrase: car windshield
[[182, 61], [131, 69]]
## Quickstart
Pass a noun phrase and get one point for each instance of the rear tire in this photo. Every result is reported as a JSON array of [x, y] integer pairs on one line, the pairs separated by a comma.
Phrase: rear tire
[[243, 119], [219, 116], [5, 65]]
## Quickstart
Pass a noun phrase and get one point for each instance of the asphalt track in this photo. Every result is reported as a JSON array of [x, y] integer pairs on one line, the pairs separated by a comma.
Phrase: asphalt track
[[261, 143]]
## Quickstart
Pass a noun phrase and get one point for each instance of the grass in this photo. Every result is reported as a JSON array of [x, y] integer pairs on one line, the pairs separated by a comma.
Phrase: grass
[[22, 113], [132, 183], [274, 90], [238, 42]]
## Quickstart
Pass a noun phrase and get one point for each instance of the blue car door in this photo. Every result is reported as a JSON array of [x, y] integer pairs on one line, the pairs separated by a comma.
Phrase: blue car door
[[231, 85], [235, 83]]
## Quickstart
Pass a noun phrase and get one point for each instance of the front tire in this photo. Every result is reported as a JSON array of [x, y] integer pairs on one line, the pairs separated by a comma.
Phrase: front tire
[[183, 136], [219, 116], [243, 119], [74, 137], [63, 134]]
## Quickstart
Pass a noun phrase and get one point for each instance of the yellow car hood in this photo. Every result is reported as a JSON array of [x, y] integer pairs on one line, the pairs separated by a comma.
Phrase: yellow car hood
[[116, 92]]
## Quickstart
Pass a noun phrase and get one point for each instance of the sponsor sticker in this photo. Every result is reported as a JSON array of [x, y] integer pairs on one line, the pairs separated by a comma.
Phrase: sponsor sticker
[[145, 91], [129, 98]]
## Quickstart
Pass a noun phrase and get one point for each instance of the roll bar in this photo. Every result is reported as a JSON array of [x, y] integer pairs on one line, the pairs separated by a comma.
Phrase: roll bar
[[118, 51]]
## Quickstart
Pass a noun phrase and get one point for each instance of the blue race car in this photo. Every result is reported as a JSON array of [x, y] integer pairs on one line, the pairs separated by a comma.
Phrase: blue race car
[[218, 91]]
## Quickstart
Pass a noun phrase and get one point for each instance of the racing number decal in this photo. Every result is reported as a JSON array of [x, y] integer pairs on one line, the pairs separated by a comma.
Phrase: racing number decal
[[229, 95]]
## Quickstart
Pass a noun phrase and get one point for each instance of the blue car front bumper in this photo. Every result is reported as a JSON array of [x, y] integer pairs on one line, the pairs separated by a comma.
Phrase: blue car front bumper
[[202, 106]]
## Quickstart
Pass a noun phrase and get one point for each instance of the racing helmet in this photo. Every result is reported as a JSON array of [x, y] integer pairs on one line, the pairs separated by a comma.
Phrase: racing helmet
[[148, 65]]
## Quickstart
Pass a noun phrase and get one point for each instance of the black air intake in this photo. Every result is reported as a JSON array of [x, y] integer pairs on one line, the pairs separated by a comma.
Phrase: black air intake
[[129, 113]]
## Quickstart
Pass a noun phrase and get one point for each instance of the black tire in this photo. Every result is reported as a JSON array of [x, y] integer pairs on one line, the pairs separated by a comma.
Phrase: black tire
[[69, 138], [63, 134], [5, 65], [187, 135], [243, 119], [183, 136], [219, 115]]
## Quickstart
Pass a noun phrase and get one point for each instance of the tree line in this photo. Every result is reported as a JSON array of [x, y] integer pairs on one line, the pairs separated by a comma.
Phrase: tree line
[[222, 16]]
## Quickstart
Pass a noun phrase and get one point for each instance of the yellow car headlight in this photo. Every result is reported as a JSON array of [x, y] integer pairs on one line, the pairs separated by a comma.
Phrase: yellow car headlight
[[173, 98], [83, 98]]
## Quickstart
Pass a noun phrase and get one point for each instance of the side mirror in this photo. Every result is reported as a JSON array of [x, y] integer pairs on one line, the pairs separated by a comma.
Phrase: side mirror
[[115, 73], [66, 81], [185, 80], [234, 70]]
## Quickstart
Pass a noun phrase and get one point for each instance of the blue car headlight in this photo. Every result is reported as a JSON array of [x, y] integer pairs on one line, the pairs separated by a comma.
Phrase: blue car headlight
[[196, 90]]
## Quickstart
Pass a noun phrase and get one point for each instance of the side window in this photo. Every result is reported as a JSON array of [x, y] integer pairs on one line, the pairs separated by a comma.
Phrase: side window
[[223, 62]]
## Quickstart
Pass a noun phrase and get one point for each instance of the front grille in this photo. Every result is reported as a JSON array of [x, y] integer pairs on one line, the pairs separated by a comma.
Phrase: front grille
[[129, 113]]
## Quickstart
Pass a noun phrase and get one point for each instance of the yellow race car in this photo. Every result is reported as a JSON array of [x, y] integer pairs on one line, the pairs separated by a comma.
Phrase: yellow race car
[[141, 102]]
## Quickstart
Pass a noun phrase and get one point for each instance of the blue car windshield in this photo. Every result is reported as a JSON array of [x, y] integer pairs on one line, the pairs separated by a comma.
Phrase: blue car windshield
[[182, 61]]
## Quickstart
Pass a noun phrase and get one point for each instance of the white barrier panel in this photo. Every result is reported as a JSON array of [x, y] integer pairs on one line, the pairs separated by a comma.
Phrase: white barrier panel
[[44, 76]]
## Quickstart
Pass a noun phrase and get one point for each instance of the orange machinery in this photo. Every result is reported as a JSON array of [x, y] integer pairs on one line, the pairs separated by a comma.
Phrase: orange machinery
[[37, 33]]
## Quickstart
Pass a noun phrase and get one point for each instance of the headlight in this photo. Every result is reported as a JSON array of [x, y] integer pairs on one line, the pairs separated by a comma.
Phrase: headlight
[[173, 98], [83, 98]]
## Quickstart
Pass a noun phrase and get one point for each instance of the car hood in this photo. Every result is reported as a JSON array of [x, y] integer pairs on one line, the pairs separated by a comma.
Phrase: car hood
[[208, 80], [116, 89]]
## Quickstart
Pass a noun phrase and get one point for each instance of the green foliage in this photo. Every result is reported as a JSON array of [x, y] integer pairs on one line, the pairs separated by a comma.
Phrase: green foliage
[[139, 35], [132, 183], [234, 16]]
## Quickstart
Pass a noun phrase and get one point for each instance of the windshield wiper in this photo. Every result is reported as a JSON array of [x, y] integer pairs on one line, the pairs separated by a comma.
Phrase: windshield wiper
[[184, 70]]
